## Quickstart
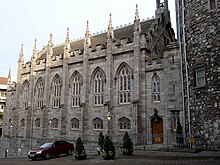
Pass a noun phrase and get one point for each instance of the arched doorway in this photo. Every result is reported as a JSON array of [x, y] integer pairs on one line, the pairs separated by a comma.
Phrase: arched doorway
[[157, 129]]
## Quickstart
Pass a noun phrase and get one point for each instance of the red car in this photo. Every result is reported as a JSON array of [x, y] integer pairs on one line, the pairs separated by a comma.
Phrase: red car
[[48, 150]]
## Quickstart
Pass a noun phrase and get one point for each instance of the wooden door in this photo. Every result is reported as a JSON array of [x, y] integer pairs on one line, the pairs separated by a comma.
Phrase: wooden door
[[157, 131]]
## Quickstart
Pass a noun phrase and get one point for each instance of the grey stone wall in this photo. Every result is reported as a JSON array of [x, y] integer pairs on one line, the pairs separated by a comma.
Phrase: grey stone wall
[[202, 47]]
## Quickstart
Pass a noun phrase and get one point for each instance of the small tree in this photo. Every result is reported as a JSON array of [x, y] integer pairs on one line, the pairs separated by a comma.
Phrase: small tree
[[179, 133], [108, 151], [100, 142], [80, 150], [127, 147]]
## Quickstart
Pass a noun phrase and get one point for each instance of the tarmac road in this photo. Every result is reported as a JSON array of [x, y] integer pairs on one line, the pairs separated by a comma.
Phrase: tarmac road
[[139, 157]]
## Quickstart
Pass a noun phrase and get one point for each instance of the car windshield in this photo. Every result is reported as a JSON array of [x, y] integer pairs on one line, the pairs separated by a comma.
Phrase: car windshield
[[46, 145]]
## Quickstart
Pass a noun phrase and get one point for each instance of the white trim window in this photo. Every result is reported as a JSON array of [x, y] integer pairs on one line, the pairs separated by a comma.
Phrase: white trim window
[[75, 86], [56, 92], [124, 85], [124, 124], [97, 124], [74, 123], [200, 76], [99, 81], [54, 123], [39, 93], [156, 88]]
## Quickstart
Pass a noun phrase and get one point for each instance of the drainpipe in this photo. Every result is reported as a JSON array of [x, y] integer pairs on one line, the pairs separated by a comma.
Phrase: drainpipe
[[186, 66]]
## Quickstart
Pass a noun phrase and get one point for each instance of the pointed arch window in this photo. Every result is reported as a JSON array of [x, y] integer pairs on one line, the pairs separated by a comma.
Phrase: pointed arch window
[[56, 91], [54, 123], [22, 123], [99, 82], [124, 85], [25, 94], [37, 123], [156, 88], [74, 123], [124, 123], [39, 95], [97, 123], [75, 86]]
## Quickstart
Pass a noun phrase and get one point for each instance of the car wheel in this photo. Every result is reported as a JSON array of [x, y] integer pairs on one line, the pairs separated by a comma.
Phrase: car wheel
[[47, 156], [69, 152]]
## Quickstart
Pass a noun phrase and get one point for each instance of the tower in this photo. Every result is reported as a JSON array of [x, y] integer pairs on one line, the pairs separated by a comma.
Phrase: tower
[[199, 34]]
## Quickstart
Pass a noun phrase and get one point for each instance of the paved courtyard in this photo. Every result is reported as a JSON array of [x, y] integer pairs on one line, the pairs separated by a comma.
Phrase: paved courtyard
[[139, 157]]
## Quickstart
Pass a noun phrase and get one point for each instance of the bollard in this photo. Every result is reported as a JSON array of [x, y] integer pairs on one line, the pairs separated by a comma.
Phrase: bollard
[[6, 153]]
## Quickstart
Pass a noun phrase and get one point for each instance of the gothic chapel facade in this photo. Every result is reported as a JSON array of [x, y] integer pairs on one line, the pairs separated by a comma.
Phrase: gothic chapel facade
[[129, 75]]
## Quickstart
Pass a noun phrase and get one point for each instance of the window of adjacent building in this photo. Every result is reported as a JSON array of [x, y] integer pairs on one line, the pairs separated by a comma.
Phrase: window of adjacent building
[[22, 123], [212, 4], [39, 95], [124, 85], [54, 123], [75, 86], [25, 94], [156, 88], [56, 91], [74, 123], [200, 77], [97, 123], [99, 82], [175, 116], [124, 123]]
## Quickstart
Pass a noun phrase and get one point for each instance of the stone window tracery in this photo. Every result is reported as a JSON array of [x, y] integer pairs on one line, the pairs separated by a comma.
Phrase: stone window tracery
[[56, 92], [39, 95], [156, 88], [99, 81], [124, 123], [97, 123], [74, 123], [75, 86], [124, 85], [25, 94], [54, 123]]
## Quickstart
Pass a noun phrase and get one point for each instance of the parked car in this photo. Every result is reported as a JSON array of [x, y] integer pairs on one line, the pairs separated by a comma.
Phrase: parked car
[[54, 149]]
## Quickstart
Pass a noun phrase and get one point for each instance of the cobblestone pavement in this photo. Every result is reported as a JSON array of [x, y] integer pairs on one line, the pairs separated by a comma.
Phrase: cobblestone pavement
[[139, 157]]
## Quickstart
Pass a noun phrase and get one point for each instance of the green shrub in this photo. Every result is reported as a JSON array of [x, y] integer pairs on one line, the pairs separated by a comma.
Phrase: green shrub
[[80, 150], [127, 147], [108, 151], [100, 142]]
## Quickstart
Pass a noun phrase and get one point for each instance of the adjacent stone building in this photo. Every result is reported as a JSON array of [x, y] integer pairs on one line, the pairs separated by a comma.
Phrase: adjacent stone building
[[3, 93], [199, 36], [126, 79]]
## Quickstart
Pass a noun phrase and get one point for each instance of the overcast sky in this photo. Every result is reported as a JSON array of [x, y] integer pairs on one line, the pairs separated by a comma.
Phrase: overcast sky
[[21, 21]]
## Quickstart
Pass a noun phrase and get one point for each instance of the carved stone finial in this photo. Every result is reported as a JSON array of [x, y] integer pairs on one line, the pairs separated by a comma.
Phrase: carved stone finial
[[87, 40], [137, 20], [110, 28], [137, 13]]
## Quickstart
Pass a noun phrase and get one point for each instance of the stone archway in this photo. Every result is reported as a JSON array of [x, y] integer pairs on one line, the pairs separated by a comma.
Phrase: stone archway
[[157, 129]]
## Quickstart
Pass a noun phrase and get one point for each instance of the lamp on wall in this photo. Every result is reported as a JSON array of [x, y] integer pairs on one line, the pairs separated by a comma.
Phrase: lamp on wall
[[109, 116]]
